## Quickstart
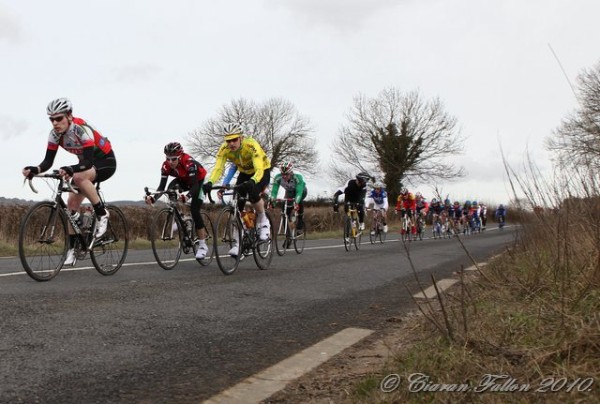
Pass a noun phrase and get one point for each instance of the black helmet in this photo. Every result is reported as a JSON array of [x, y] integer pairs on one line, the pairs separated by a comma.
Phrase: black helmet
[[363, 176], [173, 149]]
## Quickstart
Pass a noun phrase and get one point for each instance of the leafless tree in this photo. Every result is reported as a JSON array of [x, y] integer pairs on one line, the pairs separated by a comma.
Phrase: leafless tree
[[399, 135], [276, 124], [577, 140]]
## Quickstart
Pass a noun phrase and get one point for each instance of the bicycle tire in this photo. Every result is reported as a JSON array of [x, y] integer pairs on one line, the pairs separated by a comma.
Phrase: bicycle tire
[[357, 237], [373, 233], [226, 227], [281, 238], [166, 238], [109, 251], [210, 231], [382, 235], [299, 241], [347, 233], [263, 250], [43, 256]]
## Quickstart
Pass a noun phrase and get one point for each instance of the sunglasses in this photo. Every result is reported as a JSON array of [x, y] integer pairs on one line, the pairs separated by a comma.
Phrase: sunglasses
[[56, 118], [175, 158], [232, 140]]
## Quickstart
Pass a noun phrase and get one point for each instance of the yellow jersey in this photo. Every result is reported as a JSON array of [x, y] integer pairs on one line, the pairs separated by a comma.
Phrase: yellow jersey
[[250, 158]]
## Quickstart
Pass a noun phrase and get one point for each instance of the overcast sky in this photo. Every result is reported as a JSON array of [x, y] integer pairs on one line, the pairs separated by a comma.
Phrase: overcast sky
[[148, 72]]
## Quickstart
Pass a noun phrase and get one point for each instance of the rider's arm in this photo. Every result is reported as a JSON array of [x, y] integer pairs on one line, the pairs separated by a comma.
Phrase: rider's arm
[[275, 188], [260, 161], [230, 173], [87, 158], [336, 196], [217, 172], [300, 185], [48, 159]]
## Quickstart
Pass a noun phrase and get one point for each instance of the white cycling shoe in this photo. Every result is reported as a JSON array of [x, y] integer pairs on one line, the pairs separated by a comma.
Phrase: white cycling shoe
[[235, 250], [385, 229], [264, 232], [202, 250], [102, 225], [71, 258]]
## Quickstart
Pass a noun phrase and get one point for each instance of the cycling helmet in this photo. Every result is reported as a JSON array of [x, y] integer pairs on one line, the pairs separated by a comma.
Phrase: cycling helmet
[[474, 203], [446, 201], [419, 195], [500, 206], [467, 202], [173, 149], [434, 201], [411, 196], [286, 168], [403, 191], [59, 106], [363, 176], [378, 185], [232, 131]]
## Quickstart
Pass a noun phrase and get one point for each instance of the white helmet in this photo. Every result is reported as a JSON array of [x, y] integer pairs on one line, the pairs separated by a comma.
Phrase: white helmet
[[378, 184], [59, 106]]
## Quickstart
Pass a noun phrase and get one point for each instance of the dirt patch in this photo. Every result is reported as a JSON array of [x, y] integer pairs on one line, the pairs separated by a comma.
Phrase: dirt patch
[[335, 381]]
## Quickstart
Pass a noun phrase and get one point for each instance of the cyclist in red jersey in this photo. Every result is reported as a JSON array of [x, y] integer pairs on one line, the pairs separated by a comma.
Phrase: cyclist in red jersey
[[189, 176], [97, 162], [407, 202]]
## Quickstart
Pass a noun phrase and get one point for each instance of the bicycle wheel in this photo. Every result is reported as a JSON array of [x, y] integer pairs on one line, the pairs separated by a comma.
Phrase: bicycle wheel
[[282, 236], [299, 240], [228, 233], [110, 250], [43, 241], [210, 230], [357, 236], [263, 250], [373, 233], [382, 235], [347, 233], [165, 236]]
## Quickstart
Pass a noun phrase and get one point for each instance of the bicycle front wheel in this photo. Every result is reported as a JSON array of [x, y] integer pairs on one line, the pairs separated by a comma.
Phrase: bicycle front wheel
[[282, 236], [109, 251], [165, 236], [43, 241], [347, 233], [228, 248], [263, 250], [357, 237]]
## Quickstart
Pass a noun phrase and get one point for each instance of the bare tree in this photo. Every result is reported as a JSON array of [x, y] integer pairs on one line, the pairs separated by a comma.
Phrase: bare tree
[[276, 124], [577, 141], [399, 135]]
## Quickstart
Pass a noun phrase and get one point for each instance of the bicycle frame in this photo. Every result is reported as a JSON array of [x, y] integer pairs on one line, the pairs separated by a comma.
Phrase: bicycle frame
[[287, 228], [352, 234]]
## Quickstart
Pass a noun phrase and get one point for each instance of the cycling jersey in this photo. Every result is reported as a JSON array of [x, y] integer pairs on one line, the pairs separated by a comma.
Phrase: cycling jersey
[[406, 204], [188, 171], [295, 187], [422, 206], [250, 159], [80, 139], [79, 135], [353, 193], [380, 199]]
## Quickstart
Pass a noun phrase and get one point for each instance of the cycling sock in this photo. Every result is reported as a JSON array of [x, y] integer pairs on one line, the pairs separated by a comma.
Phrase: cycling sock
[[99, 209], [72, 238]]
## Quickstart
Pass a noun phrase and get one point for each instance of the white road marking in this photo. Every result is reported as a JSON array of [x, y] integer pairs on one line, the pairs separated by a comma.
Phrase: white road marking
[[264, 384]]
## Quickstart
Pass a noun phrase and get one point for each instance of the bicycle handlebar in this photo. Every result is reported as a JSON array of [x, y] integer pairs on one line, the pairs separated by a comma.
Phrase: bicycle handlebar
[[65, 184]]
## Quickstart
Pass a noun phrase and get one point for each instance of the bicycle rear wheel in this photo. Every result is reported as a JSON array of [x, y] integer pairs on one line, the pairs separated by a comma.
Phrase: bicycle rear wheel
[[109, 251], [165, 236], [263, 250], [282, 236], [299, 240], [43, 241], [228, 233], [382, 234], [347, 233], [210, 231], [357, 236]]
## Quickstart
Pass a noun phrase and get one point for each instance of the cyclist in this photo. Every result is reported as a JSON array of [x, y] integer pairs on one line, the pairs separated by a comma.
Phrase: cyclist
[[475, 215], [189, 176], [456, 215], [380, 202], [407, 203], [436, 209], [96, 164], [500, 215], [483, 215], [355, 191], [254, 174], [295, 188]]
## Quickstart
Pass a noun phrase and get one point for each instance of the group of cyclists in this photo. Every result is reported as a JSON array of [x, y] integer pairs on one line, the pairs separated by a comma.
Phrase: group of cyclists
[[97, 163]]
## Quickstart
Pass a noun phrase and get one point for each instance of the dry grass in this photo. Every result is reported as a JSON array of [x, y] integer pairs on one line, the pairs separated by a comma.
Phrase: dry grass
[[532, 314]]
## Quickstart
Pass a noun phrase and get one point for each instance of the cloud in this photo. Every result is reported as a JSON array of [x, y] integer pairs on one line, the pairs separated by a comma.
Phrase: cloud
[[10, 28], [141, 72], [341, 15], [10, 127]]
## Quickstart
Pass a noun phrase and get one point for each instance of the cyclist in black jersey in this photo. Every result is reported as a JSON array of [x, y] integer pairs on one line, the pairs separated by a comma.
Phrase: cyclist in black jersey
[[354, 192]]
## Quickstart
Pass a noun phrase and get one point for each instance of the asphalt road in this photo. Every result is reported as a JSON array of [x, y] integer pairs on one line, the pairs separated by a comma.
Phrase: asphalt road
[[155, 336]]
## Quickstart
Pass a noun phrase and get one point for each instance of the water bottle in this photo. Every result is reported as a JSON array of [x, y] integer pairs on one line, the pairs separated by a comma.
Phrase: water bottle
[[187, 219], [86, 220], [76, 216]]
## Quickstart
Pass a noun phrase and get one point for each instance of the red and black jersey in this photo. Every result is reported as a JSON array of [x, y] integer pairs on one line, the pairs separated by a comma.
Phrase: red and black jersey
[[188, 170]]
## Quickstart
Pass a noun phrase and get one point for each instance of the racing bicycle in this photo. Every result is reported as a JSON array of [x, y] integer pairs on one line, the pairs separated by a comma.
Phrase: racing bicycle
[[44, 234], [377, 232], [287, 234], [171, 232], [236, 235], [352, 232]]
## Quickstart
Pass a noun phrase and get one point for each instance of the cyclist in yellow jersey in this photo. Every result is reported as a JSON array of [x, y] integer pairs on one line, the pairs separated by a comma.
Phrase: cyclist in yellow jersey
[[254, 172]]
